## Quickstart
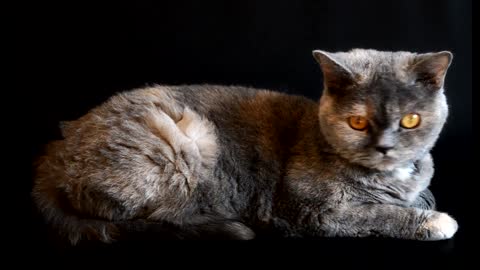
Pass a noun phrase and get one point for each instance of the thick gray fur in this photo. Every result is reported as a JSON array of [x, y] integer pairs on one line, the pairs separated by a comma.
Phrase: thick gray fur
[[238, 160]]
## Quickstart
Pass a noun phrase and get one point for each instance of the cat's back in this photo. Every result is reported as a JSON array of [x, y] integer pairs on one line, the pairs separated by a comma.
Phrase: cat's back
[[232, 110], [225, 106], [134, 131]]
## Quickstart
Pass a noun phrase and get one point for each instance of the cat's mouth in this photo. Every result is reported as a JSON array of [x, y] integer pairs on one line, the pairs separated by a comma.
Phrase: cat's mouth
[[383, 162], [386, 165], [379, 161], [388, 160]]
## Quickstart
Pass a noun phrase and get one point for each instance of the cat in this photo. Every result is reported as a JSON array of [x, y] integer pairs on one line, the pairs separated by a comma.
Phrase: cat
[[199, 161]]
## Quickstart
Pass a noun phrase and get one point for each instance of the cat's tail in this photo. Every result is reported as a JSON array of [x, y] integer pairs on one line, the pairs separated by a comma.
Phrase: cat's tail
[[55, 211], [204, 227], [69, 225]]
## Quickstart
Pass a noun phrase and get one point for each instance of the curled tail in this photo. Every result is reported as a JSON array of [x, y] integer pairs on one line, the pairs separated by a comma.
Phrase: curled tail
[[201, 228], [68, 225], [60, 217]]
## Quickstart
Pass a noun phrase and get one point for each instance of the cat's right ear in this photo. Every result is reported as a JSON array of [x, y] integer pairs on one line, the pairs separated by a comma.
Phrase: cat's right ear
[[336, 76], [430, 68]]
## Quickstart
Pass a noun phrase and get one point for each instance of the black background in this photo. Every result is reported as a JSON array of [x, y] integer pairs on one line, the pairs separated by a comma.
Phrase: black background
[[77, 54]]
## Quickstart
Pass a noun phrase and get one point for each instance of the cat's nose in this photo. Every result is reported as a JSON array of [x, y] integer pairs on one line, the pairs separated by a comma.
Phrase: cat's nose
[[383, 148]]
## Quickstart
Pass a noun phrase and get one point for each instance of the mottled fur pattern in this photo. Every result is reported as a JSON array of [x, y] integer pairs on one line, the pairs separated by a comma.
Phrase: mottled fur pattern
[[209, 159]]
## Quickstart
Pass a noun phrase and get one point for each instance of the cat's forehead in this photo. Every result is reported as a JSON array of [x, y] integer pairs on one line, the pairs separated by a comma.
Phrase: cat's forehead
[[366, 58], [385, 95], [370, 64]]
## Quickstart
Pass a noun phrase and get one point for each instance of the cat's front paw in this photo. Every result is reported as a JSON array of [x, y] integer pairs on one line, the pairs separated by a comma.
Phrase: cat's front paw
[[438, 226]]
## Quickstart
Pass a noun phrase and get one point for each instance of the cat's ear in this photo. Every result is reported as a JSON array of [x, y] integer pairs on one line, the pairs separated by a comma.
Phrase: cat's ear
[[335, 74], [430, 69]]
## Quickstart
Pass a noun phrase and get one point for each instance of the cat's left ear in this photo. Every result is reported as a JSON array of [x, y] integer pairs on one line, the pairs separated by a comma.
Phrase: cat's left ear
[[430, 68]]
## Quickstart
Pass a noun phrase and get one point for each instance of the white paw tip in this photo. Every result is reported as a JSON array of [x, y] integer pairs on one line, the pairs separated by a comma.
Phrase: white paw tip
[[442, 226]]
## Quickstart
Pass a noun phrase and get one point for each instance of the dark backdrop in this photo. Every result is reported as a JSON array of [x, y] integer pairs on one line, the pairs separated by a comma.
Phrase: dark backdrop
[[78, 54]]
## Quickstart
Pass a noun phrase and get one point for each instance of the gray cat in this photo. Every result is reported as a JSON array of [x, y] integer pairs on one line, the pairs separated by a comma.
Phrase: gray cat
[[208, 160]]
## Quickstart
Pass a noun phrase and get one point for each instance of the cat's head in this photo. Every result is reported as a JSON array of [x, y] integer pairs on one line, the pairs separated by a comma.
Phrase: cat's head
[[382, 110]]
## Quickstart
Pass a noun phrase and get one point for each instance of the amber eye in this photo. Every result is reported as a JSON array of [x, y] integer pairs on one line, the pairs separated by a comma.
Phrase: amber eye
[[411, 120], [358, 122]]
